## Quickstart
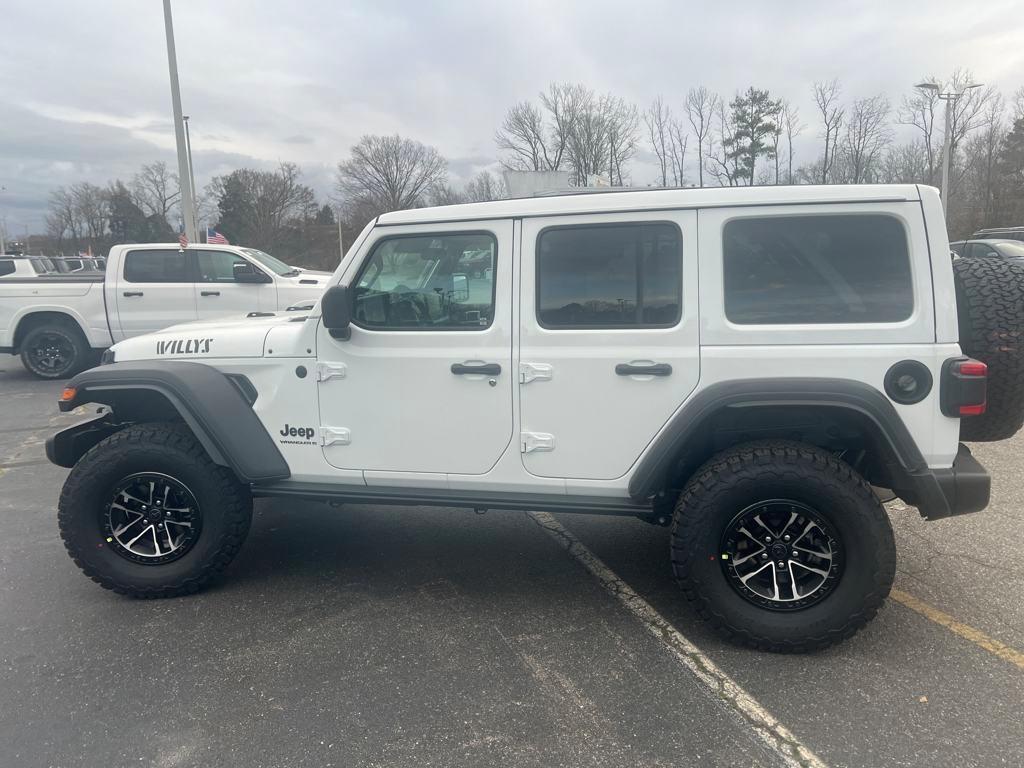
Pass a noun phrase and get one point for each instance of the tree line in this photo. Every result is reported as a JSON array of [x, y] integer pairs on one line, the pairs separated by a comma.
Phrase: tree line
[[698, 138]]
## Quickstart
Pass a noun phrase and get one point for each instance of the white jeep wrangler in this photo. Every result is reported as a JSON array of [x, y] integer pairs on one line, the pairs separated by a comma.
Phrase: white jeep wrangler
[[748, 365]]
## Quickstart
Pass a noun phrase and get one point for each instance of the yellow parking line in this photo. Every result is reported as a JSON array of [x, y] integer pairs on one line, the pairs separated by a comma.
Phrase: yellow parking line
[[966, 631]]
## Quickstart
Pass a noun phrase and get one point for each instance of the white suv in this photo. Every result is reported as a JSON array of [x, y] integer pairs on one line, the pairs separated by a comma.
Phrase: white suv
[[743, 364]]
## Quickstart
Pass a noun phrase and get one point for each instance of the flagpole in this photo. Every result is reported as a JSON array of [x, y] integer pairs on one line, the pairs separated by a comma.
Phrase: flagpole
[[188, 210]]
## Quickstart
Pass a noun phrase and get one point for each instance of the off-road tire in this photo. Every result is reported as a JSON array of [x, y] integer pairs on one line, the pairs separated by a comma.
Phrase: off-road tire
[[80, 355], [990, 309], [172, 450], [740, 476]]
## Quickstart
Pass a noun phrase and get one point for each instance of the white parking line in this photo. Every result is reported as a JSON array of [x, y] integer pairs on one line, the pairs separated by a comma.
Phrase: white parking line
[[775, 735]]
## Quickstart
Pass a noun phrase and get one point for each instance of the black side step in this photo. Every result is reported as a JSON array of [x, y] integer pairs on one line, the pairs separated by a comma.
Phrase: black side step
[[442, 497]]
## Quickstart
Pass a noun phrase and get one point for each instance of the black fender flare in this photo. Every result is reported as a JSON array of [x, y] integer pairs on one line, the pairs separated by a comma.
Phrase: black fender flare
[[214, 407], [652, 472]]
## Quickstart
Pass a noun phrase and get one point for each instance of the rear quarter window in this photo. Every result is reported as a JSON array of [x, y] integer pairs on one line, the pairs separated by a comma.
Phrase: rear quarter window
[[6, 267], [814, 269]]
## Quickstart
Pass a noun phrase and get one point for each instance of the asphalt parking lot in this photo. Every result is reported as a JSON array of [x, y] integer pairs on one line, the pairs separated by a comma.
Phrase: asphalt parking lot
[[374, 636]]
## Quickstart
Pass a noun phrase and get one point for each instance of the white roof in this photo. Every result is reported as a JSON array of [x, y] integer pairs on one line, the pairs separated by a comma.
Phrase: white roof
[[654, 199]]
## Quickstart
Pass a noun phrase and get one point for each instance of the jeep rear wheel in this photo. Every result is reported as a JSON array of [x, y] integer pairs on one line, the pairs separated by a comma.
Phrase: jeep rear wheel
[[782, 547], [990, 311], [146, 513]]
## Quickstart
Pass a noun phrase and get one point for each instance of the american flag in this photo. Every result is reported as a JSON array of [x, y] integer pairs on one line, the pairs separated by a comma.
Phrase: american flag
[[182, 239], [215, 238]]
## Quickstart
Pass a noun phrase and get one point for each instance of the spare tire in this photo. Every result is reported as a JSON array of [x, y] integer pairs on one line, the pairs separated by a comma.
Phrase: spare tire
[[990, 311]]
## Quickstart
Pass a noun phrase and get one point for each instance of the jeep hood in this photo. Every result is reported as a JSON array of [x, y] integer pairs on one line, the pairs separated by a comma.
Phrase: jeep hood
[[229, 336]]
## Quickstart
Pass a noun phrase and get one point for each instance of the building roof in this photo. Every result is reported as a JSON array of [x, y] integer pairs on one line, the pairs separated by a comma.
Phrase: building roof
[[643, 199]]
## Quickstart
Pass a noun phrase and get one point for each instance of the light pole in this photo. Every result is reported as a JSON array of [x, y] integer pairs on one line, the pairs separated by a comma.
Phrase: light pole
[[191, 174], [188, 210], [950, 98]]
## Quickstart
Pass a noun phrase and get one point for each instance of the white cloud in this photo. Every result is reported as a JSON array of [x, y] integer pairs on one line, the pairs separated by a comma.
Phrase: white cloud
[[84, 88]]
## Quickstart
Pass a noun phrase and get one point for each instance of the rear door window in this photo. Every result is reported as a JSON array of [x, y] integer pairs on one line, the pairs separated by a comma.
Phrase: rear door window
[[6, 267], [817, 269], [157, 266], [609, 276]]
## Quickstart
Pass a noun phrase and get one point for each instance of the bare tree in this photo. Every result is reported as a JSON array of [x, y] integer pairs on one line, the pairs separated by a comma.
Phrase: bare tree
[[721, 164], [981, 153], [919, 110], [443, 193], [155, 189], [391, 172], [867, 134], [485, 186], [623, 131], [1017, 105], [677, 152], [701, 105], [905, 164], [827, 98], [525, 137], [922, 109], [658, 119], [793, 127]]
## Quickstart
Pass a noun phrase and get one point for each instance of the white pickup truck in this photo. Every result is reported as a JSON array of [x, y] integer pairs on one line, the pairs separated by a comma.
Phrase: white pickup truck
[[57, 322]]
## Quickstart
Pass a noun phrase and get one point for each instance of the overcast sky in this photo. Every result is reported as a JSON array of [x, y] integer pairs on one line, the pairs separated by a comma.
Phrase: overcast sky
[[84, 89]]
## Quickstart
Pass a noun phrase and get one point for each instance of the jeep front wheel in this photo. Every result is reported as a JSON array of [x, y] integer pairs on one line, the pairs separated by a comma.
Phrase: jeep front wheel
[[146, 513], [782, 547]]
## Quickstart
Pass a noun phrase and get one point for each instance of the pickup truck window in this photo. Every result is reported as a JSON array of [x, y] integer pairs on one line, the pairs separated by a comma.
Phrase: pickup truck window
[[852, 268], [156, 266], [217, 266], [441, 282], [268, 261], [609, 276]]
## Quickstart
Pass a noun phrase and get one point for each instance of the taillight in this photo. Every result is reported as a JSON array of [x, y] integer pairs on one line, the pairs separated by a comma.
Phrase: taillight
[[964, 387]]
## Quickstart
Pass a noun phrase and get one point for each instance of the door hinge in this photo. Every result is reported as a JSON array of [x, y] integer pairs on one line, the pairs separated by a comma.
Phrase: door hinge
[[536, 441], [325, 371], [335, 436], [532, 371]]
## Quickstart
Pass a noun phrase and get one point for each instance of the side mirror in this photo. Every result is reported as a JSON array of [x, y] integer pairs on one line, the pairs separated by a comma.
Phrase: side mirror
[[336, 310], [460, 288], [244, 272]]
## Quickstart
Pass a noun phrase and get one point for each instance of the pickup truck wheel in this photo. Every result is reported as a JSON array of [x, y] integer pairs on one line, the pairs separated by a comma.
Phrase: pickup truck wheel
[[782, 547], [54, 351], [990, 311], [146, 513]]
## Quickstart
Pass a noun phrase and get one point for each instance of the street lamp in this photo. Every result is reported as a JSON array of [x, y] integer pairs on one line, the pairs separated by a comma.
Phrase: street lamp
[[950, 98]]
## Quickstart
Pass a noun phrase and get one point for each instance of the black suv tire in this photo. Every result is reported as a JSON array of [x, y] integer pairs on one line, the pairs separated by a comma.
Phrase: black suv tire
[[55, 351], [990, 310], [221, 511], [794, 477]]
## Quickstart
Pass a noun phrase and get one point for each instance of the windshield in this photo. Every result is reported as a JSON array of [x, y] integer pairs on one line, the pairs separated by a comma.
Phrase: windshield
[[1011, 248], [268, 261]]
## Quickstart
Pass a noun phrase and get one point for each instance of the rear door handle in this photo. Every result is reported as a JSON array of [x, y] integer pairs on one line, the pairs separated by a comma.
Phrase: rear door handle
[[209, 293], [132, 293], [487, 369], [657, 369]]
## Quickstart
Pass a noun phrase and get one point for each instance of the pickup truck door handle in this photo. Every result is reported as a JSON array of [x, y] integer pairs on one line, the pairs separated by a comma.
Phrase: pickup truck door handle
[[209, 293], [132, 293], [657, 369], [487, 369]]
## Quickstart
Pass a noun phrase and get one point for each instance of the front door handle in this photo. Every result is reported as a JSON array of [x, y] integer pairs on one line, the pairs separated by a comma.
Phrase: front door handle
[[132, 293], [487, 369], [209, 293], [656, 369]]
